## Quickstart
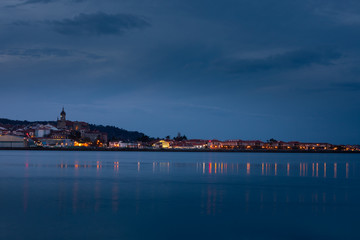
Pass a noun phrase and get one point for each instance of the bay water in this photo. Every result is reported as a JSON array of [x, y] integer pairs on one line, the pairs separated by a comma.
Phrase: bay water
[[178, 195]]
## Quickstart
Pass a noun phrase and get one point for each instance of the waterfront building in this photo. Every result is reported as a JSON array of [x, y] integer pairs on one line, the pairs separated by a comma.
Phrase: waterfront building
[[214, 144], [51, 142], [162, 144], [10, 141], [182, 145], [3, 131], [197, 143], [121, 144]]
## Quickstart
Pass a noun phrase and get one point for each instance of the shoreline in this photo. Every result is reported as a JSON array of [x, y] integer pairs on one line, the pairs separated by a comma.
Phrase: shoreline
[[94, 149]]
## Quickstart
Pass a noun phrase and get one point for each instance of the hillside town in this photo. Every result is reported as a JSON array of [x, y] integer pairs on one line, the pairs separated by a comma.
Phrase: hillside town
[[66, 134]]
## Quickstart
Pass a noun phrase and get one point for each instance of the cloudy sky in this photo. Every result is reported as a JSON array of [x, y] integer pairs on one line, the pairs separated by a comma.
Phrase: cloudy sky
[[230, 69]]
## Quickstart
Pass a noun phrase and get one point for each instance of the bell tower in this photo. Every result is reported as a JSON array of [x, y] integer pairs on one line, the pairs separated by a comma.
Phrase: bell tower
[[63, 115], [61, 124]]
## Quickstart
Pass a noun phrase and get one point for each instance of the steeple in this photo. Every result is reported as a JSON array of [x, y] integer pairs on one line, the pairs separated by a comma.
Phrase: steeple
[[63, 115], [61, 123]]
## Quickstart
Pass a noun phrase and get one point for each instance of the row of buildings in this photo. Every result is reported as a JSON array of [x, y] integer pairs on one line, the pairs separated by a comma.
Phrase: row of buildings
[[65, 133], [200, 144]]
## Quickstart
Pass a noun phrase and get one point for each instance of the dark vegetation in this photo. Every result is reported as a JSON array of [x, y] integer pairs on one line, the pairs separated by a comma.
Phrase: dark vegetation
[[114, 133]]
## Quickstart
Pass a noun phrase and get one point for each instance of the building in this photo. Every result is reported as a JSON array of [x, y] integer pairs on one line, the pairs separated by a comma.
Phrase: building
[[197, 143], [214, 144], [162, 144], [94, 136], [61, 124], [10, 141], [44, 130], [50, 142], [121, 144], [3, 131]]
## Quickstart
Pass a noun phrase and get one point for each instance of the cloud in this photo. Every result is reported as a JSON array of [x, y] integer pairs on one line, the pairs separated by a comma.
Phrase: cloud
[[286, 61], [346, 14], [347, 86], [38, 1], [28, 2], [99, 24], [46, 53]]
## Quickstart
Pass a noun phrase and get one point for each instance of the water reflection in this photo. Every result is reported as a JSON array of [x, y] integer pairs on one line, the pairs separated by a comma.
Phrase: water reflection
[[126, 190], [317, 170], [26, 187], [115, 197], [304, 169], [287, 169], [109, 189], [97, 194], [75, 195], [211, 199]]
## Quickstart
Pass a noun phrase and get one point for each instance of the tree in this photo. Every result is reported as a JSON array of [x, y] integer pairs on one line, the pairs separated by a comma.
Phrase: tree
[[179, 137], [75, 135], [144, 138], [271, 140]]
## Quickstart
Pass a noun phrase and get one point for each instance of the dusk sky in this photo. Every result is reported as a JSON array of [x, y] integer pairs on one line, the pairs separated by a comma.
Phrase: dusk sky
[[230, 69]]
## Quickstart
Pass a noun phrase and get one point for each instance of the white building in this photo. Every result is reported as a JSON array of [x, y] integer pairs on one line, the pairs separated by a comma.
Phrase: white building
[[9, 141], [3, 131], [121, 144], [44, 130]]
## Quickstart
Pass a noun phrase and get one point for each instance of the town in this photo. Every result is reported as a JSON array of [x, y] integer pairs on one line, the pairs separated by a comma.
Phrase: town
[[65, 134]]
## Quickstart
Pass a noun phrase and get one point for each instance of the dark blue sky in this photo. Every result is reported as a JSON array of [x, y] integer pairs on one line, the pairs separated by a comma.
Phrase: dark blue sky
[[230, 69]]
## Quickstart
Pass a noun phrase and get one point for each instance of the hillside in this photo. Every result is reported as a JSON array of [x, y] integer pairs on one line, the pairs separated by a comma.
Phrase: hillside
[[114, 133]]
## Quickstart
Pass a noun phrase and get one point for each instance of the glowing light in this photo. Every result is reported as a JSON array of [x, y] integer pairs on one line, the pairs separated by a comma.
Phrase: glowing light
[[288, 169], [313, 169]]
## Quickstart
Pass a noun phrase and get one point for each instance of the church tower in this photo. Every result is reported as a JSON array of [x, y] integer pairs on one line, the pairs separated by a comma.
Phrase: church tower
[[61, 124], [63, 115]]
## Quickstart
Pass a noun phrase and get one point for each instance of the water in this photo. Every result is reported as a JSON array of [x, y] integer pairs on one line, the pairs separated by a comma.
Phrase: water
[[158, 195]]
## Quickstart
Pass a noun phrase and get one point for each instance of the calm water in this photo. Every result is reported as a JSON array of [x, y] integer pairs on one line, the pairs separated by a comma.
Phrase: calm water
[[140, 195]]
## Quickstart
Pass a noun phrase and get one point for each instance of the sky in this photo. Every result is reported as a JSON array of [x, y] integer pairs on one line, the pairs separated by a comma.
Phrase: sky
[[229, 69]]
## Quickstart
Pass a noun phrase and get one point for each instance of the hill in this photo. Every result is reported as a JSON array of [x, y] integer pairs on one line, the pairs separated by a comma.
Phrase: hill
[[114, 133]]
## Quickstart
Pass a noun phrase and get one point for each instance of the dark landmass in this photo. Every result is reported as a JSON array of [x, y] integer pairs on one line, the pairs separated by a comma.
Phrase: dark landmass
[[99, 149], [114, 133], [17, 123]]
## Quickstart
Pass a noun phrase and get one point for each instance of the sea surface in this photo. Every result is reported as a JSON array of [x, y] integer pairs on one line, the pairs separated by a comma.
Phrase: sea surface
[[163, 195]]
